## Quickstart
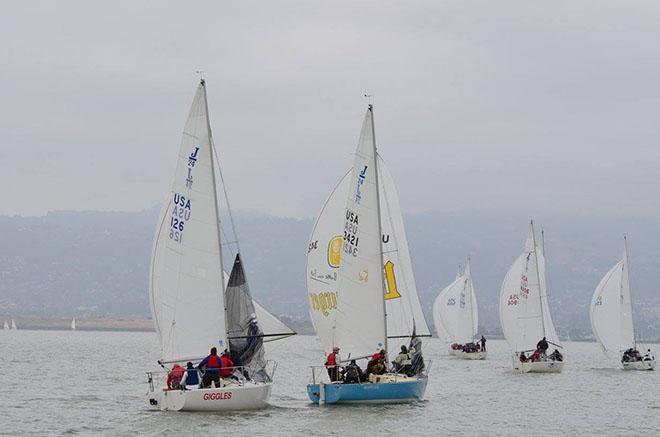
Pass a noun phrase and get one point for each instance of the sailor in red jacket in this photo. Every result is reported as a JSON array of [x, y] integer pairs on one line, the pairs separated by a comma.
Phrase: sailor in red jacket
[[332, 364], [227, 364], [174, 377]]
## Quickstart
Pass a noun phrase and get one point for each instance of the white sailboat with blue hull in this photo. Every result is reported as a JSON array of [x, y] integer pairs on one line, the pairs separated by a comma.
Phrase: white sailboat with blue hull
[[360, 283]]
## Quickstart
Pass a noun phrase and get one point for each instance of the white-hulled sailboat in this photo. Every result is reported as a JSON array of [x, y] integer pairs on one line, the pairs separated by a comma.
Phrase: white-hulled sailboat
[[360, 282], [611, 317], [456, 317], [525, 313], [192, 308], [73, 324]]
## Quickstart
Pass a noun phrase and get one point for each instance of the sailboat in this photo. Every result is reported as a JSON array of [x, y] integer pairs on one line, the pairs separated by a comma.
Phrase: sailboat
[[193, 308], [525, 313], [360, 282], [456, 316], [13, 324], [6, 326], [73, 324], [611, 316]]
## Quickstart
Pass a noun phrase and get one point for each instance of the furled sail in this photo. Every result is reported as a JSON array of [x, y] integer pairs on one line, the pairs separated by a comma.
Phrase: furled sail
[[611, 309], [455, 310], [404, 312], [524, 309], [186, 287]]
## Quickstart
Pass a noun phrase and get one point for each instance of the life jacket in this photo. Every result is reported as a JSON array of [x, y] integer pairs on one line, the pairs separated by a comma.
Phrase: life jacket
[[331, 361], [175, 376], [193, 377], [227, 366], [214, 363]]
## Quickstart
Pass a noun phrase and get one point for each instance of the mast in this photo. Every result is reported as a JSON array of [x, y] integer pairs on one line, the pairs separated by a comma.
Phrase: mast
[[626, 277], [538, 275], [469, 280], [202, 82], [380, 226]]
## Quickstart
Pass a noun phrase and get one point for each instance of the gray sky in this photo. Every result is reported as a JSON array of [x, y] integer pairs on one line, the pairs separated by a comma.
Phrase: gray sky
[[478, 104]]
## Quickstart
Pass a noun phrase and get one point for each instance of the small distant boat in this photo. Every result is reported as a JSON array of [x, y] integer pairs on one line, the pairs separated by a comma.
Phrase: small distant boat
[[13, 324], [6, 326], [525, 313], [456, 317], [360, 282], [73, 324], [611, 316], [193, 307]]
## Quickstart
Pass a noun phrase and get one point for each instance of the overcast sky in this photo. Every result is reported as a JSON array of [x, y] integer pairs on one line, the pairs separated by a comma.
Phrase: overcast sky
[[478, 104]]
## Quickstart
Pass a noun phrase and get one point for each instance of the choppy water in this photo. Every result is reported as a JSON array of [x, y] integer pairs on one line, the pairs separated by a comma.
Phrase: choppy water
[[94, 383]]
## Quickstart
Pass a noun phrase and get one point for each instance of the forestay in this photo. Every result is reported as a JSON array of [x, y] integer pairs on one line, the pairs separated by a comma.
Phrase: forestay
[[186, 287], [611, 309], [524, 309]]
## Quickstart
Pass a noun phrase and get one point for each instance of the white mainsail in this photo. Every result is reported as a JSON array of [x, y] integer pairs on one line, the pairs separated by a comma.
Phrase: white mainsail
[[360, 327], [6, 326], [187, 287], [73, 324], [13, 324], [611, 309], [455, 310], [404, 312], [524, 309]]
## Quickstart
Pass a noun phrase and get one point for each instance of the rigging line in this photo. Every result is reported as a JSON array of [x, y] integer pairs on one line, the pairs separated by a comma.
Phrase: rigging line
[[224, 190]]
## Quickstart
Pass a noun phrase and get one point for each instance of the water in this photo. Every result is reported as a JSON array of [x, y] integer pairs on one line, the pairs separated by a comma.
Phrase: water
[[77, 383]]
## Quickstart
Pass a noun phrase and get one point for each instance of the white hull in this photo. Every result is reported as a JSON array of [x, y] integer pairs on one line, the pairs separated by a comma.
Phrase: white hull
[[455, 352], [539, 367], [251, 396], [472, 355], [639, 365]]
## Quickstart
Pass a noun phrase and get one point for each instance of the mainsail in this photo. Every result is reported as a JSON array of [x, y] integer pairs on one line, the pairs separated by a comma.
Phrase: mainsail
[[455, 310], [404, 313], [524, 309], [611, 309]]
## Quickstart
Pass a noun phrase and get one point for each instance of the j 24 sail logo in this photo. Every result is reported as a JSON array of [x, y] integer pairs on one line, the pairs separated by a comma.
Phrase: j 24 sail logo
[[360, 180]]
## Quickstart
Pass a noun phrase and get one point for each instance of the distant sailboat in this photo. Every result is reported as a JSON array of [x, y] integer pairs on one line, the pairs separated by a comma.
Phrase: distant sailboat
[[524, 310], [611, 316], [6, 326], [192, 307], [456, 316], [360, 283], [73, 324], [13, 324]]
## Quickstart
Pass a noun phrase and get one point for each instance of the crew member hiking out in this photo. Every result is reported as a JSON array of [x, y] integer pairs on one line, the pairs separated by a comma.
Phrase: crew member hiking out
[[332, 364], [211, 366]]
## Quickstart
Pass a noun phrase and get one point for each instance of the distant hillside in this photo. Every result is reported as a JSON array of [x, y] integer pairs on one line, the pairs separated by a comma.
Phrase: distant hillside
[[96, 263]]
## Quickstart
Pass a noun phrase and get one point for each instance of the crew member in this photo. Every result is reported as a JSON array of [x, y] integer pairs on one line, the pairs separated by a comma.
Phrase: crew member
[[211, 366], [332, 364], [174, 377], [542, 346], [227, 364], [483, 343]]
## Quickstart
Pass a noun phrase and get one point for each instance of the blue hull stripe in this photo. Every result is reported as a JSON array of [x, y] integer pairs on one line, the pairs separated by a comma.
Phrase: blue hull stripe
[[367, 392]]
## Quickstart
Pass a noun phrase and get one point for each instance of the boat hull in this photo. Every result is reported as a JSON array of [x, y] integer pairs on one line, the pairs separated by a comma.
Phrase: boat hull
[[639, 365], [540, 367], [251, 396], [472, 355], [408, 390]]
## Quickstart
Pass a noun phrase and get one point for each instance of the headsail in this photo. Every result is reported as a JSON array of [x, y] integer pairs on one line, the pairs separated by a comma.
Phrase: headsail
[[524, 309], [186, 287], [611, 309]]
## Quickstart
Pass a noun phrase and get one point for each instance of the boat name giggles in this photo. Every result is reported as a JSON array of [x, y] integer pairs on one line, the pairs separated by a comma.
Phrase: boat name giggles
[[217, 396]]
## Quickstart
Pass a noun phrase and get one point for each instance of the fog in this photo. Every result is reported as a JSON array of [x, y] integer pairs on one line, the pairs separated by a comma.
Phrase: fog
[[477, 104]]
